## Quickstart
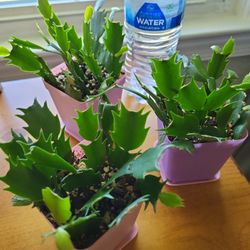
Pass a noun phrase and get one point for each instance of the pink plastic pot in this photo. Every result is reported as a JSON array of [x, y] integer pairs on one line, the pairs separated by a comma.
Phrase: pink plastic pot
[[203, 165], [120, 235], [67, 106]]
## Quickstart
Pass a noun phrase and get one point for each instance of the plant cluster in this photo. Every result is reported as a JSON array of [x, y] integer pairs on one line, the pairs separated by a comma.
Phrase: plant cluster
[[84, 195], [199, 102], [93, 59]]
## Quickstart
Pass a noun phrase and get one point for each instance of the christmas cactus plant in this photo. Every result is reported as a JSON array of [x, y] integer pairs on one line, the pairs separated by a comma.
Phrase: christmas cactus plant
[[84, 194], [93, 60], [201, 107], [198, 102]]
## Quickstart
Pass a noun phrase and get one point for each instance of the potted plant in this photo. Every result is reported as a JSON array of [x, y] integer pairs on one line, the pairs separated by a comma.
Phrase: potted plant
[[93, 193], [202, 107], [92, 61]]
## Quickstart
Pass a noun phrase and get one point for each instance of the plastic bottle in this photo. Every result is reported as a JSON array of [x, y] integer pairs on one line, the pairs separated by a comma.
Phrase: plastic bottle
[[152, 31]]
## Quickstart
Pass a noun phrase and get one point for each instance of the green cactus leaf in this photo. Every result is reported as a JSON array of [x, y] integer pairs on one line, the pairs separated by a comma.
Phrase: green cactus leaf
[[40, 117], [112, 63], [45, 9], [212, 133], [19, 201], [25, 43], [152, 187], [219, 60], [113, 38], [88, 13], [183, 145], [143, 164], [218, 97], [191, 97], [4, 51], [241, 125], [74, 39], [200, 67], [106, 118], [228, 48], [224, 115], [245, 85], [118, 157], [95, 153], [88, 124], [63, 147], [171, 200], [24, 181], [167, 74], [93, 65], [63, 240], [24, 59], [58, 206], [181, 125], [87, 38], [44, 158], [13, 148], [132, 122], [62, 39]]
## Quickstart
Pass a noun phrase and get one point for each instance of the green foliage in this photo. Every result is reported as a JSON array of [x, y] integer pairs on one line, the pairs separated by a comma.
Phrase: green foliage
[[149, 161], [95, 153], [78, 194], [45, 8], [4, 51], [88, 123], [151, 186], [198, 102], [31, 62], [51, 160], [13, 148], [219, 97], [182, 125], [118, 157], [58, 206], [106, 119], [167, 75], [18, 201], [24, 181], [88, 14], [98, 50], [63, 241], [132, 122], [37, 117], [113, 37], [171, 200]]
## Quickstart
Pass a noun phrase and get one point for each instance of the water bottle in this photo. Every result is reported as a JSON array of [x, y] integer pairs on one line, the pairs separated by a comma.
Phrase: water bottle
[[152, 31]]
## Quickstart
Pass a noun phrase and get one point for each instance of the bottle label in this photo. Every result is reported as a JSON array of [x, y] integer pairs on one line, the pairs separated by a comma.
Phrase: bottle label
[[154, 15]]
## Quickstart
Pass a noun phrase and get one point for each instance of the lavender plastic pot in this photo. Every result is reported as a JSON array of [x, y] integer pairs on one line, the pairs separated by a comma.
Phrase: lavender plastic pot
[[120, 235], [67, 106], [203, 165]]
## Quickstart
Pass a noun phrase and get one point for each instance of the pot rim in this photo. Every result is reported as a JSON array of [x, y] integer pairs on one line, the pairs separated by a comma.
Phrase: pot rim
[[243, 138]]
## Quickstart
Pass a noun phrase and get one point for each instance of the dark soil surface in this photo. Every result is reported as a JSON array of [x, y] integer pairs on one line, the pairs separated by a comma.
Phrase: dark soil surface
[[124, 193], [91, 83]]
